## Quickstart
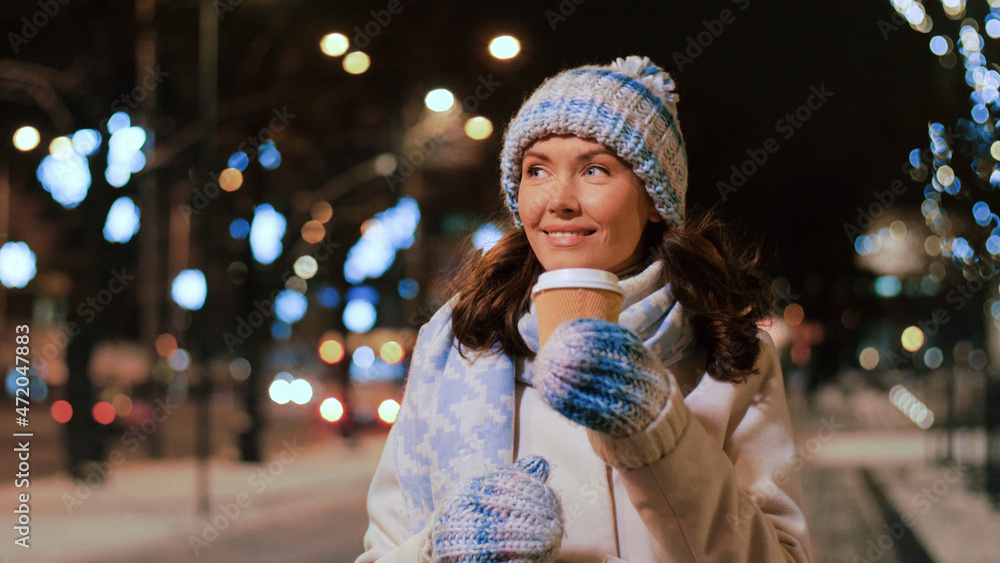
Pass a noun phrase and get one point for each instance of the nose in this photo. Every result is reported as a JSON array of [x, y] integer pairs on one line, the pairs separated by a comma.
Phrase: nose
[[563, 198]]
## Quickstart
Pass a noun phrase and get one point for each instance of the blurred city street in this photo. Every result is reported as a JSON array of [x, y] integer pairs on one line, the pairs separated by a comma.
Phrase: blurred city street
[[868, 469]]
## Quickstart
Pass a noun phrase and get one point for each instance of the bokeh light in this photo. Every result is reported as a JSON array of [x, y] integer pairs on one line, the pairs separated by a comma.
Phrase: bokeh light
[[478, 127], [280, 391], [334, 44], [331, 409], [122, 222], [439, 99], [300, 391], [306, 267], [356, 62], [912, 339], [230, 179], [391, 352], [240, 369], [266, 231], [505, 47], [61, 411], [321, 211], [869, 358], [933, 357], [189, 289], [364, 356], [794, 314], [122, 404], [166, 345], [104, 413], [290, 306], [313, 232], [26, 138], [388, 410], [17, 264], [331, 351]]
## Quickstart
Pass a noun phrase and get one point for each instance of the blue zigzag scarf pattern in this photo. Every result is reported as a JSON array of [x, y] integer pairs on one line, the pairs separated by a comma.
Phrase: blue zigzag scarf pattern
[[457, 417]]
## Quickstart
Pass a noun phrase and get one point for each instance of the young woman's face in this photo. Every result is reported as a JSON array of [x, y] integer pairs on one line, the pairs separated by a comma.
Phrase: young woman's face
[[581, 206]]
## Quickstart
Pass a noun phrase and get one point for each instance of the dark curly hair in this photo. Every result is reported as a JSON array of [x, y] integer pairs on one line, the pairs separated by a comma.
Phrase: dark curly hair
[[712, 275]]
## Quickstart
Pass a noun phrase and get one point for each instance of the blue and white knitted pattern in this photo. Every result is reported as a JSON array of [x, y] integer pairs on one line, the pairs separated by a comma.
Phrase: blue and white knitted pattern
[[628, 106], [457, 417], [508, 515], [599, 375]]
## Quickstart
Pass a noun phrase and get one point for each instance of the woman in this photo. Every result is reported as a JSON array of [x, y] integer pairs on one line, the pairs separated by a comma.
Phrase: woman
[[665, 437]]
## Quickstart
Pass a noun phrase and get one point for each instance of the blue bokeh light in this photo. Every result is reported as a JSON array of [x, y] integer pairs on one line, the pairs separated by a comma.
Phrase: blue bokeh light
[[290, 306], [189, 289], [328, 297], [122, 222], [86, 141], [408, 288], [239, 160], [359, 315], [239, 229], [67, 179], [486, 237], [17, 264], [266, 231], [376, 250]]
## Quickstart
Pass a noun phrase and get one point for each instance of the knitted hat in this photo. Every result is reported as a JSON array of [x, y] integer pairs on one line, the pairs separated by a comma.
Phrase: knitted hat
[[628, 106]]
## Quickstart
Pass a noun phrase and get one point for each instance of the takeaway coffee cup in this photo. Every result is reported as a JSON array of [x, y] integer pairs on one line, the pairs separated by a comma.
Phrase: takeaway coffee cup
[[575, 293]]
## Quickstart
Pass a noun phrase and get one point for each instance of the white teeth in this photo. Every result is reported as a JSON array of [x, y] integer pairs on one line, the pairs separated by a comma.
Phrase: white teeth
[[563, 234]]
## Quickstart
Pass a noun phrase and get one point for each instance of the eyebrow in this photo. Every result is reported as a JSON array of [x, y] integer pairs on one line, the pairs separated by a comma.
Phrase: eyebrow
[[585, 156]]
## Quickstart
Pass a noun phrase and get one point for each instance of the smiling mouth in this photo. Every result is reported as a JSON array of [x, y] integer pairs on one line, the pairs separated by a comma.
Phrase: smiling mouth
[[564, 234]]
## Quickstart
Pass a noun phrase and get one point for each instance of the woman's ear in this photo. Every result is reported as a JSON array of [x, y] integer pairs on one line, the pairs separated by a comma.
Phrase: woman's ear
[[654, 215]]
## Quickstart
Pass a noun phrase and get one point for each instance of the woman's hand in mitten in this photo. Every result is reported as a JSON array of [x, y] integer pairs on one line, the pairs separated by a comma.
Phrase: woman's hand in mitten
[[507, 515], [598, 374]]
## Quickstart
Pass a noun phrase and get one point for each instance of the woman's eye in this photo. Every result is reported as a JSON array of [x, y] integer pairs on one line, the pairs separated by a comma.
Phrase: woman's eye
[[535, 172], [595, 171]]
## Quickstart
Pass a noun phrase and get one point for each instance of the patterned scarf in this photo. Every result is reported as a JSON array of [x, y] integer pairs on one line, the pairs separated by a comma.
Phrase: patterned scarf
[[457, 418]]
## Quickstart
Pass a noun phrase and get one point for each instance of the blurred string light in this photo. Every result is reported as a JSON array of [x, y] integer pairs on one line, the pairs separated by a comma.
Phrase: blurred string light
[[17, 264], [376, 250], [180, 360], [391, 352], [26, 138], [356, 62], [189, 289], [61, 411], [933, 357], [328, 297], [331, 351], [364, 356], [103, 413], [869, 358], [230, 179], [321, 212], [313, 231], [124, 150], [67, 179], [912, 407], [280, 391], [122, 222], [359, 315], [439, 100], [334, 44], [86, 141], [912, 339], [505, 47], [266, 231], [281, 330]]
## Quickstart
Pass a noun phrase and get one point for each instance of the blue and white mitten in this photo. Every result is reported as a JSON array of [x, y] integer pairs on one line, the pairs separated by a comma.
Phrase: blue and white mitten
[[598, 374], [508, 515]]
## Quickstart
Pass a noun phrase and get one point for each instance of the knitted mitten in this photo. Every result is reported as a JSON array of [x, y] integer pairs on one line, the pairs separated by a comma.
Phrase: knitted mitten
[[507, 515], [598, 374]]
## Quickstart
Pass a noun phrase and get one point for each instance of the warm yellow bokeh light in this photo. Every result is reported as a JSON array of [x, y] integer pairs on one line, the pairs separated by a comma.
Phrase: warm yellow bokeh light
[[331, 351], [166, 345], [122, 405], [321, 211], [333, 44], [945, 175], [306, 267], [912, 339], [995, 150], [439, 99], [26, 138], [61, 147], [478, 128], [391, 352], [794, 314], [230, 179], [388, 410], [356, 62], [331, 409], [869, 358], [505, 47], [313, 232]]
